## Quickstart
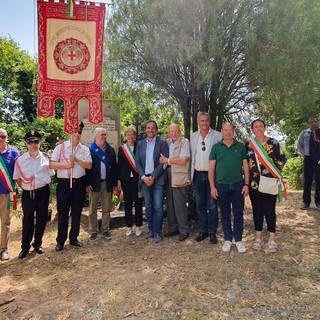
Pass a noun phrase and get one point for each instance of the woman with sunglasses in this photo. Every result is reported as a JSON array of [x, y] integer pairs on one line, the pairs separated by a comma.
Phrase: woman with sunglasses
[[33, 175]]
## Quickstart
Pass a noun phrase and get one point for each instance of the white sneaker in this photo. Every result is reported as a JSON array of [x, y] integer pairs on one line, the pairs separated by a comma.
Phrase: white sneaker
[[128, 232], [227, 246], [5, 255], [138, 231], [240, 246]]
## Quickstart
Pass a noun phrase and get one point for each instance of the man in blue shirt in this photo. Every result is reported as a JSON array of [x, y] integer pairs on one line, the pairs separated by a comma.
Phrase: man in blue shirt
[[152, 177], [8, 156], [303, 146]]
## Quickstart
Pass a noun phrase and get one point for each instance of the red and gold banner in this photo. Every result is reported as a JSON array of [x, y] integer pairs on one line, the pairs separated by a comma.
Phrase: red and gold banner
[[70, 59]]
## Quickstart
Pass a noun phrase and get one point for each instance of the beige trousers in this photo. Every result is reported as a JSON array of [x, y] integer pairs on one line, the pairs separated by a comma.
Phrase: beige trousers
[[5, 222], [106, 204]]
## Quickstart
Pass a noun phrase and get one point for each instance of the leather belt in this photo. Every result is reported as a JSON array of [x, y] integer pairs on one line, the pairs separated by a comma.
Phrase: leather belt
[[103, 180], [68, 179]]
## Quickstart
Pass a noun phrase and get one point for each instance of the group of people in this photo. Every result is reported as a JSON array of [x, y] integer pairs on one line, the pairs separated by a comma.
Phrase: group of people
[[222, 170]]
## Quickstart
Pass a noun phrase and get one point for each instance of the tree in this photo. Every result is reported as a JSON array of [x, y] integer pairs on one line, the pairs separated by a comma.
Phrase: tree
[[137, 105], [192, 50], [283, 59], [17, 68]]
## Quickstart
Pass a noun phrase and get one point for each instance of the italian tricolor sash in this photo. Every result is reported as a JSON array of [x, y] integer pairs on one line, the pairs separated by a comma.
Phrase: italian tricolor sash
[[270, 166], [130, 156], [9, 185]]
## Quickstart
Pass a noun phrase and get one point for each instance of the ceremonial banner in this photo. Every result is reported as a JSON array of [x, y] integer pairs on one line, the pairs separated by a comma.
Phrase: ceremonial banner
[[70, 45]]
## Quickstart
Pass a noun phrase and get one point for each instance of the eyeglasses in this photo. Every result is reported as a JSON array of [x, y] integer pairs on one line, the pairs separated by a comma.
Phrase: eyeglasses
[[30, 142], [3, 137], [203, 146]]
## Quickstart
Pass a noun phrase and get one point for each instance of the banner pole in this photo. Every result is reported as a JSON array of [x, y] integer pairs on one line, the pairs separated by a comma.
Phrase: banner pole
[[72, 153]]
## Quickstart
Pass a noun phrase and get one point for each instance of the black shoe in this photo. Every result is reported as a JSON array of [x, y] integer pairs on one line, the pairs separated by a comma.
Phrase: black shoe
[[59, 247], [305, 206], [172, 233], [39, 250], [76, 243], [213, 238], [23, 253], [201, 236], [183, 236]]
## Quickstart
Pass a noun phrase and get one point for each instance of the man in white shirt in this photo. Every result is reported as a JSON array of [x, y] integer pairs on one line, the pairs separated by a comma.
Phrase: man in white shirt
[[201, 143], [33, 175], [70, 159]]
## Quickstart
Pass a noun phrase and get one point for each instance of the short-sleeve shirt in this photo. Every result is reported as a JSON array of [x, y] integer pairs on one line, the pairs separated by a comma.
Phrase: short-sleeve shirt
[[35, 170], [229, 162], [274, 151], [62, 152]]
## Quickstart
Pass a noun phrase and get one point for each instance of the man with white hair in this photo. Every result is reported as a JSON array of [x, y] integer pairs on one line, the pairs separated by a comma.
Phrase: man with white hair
[[101, 180], [8, 155]]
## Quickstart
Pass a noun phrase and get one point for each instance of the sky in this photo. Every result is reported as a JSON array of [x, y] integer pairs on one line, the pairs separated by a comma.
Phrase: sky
[[17, 19]]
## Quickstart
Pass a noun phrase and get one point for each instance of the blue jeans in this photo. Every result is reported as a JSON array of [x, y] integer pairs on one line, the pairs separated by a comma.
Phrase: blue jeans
[[230, 195], [206, 205], [153, 199]]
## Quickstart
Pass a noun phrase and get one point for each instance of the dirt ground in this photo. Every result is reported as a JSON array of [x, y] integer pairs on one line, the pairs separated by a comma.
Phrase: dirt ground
[[133, 278]]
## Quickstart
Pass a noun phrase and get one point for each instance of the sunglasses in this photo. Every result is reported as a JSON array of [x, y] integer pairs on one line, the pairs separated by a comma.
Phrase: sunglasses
[[203, 146], [30, 142], [3, 137]]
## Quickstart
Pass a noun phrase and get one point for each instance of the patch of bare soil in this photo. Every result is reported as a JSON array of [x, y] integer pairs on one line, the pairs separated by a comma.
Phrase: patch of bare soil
[[133, 278]]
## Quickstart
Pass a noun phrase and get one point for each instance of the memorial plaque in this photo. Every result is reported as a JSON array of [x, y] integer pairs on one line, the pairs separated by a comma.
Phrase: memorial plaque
[[111, 122]]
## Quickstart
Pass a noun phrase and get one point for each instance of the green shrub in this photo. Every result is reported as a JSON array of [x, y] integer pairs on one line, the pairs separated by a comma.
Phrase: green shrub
[[293, 171]]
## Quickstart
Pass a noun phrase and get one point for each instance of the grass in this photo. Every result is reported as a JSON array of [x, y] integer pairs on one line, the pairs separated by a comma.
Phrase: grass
[[133, 278]]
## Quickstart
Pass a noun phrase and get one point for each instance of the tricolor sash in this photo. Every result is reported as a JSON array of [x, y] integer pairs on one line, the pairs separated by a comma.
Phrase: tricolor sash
[[271, 167], [130, 156], [100, 153], [9, 185]]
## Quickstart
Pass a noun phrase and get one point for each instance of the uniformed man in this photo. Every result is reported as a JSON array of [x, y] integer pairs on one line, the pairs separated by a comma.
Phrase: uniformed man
[[33, 175], [71, 159]]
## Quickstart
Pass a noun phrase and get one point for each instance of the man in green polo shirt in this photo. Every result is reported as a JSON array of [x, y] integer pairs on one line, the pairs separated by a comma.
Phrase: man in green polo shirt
[[229, 183]]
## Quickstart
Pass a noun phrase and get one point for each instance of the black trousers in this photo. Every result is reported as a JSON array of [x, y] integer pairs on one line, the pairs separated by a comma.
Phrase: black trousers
[[70, 200], [130, 194], [263, 207], [310, 172], [35, 212]]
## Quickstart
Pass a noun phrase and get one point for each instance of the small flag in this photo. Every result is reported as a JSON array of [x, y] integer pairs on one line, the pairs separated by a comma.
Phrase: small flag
[[71, 7]]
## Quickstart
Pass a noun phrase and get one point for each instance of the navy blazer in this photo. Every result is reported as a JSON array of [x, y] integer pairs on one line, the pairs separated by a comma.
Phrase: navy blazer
[[158, 173]]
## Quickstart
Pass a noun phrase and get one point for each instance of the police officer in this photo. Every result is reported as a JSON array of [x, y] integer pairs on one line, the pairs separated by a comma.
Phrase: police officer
[[33, 175]]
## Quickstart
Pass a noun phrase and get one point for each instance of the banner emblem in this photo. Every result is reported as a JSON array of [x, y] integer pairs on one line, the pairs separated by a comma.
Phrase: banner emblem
[[71, 56]]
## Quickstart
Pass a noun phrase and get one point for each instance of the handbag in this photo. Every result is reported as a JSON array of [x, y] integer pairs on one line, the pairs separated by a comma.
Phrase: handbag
[[268, 185]]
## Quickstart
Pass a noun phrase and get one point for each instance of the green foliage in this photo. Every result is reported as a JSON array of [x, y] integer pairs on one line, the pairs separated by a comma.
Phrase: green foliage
[[138, 105], [17, 68], [50, 128], [293, 171]]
